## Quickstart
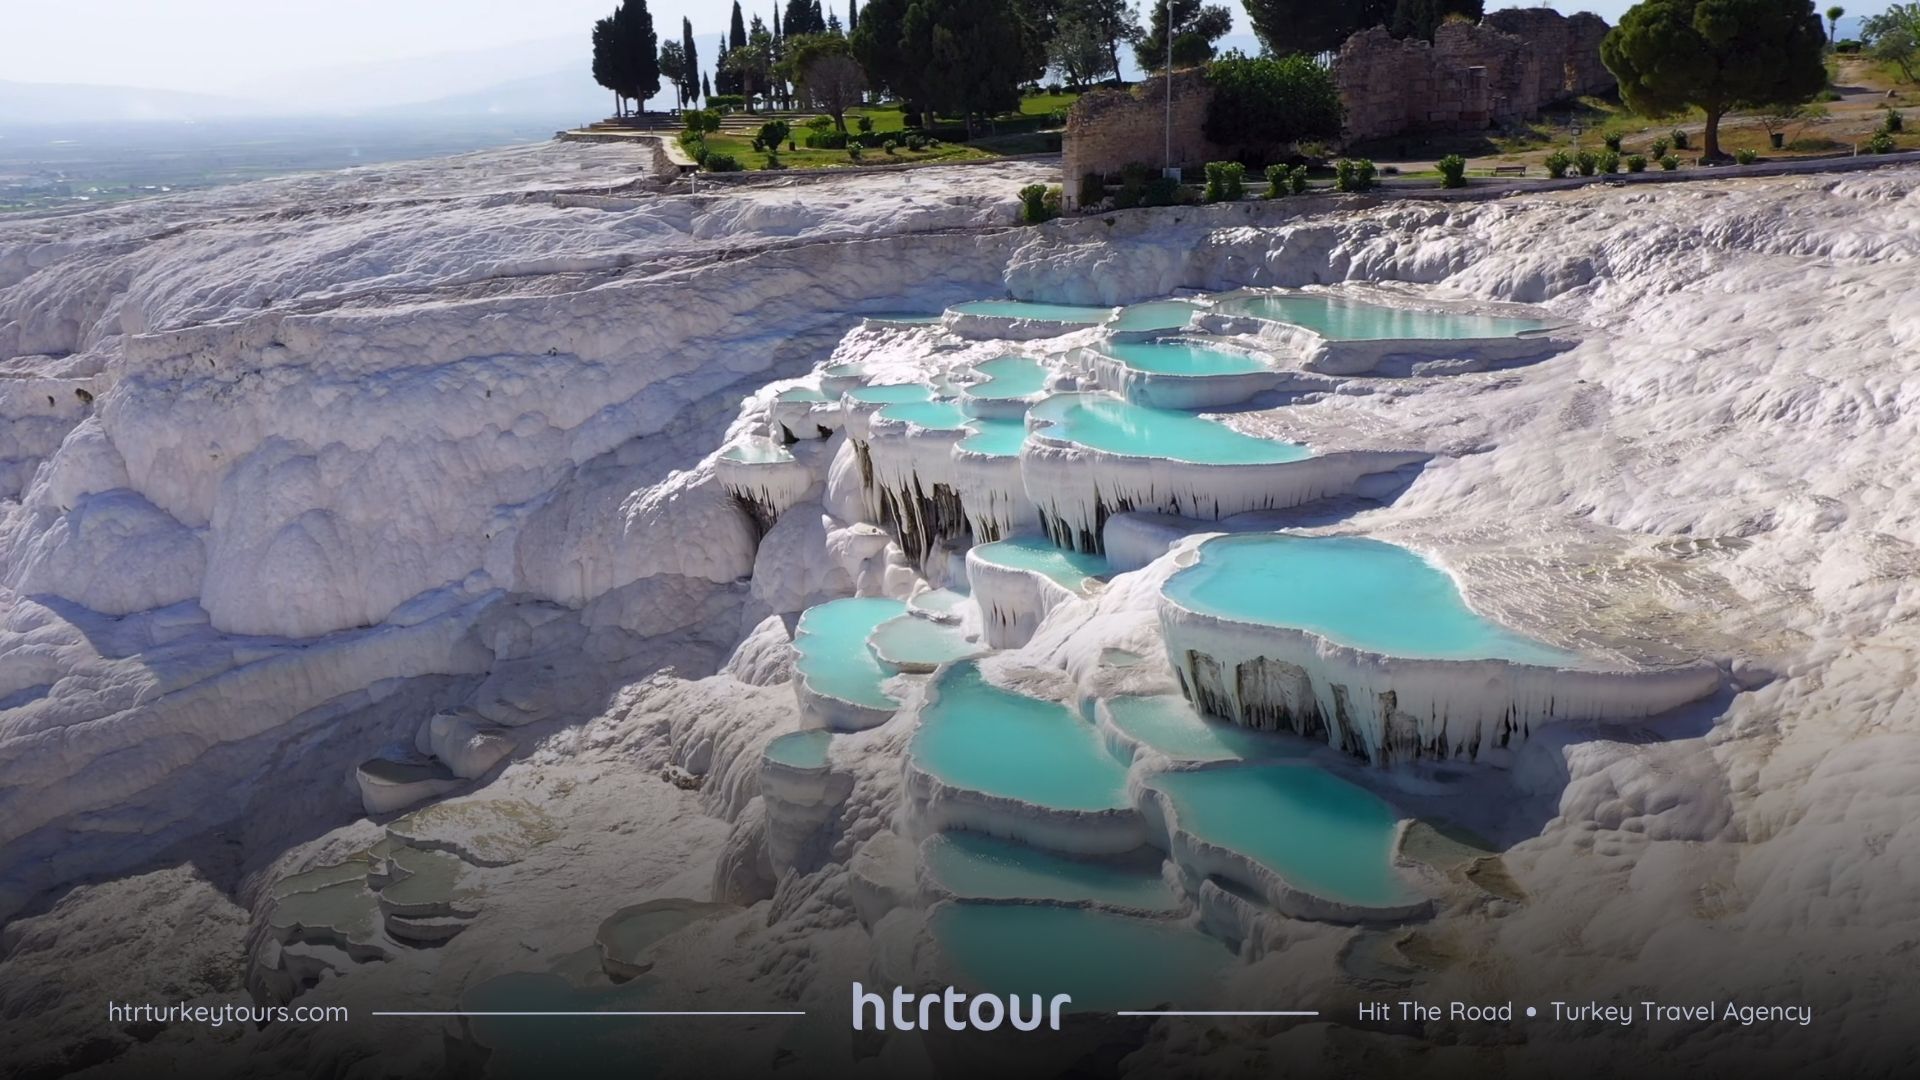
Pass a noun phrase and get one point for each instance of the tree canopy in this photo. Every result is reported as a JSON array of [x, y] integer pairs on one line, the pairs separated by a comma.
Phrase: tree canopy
[[1112, 23], [1196, 26], [626, 58], [1313, 26], [1420, 18], [826, 75], [1716, 55], [692, 57], [1261, 105]]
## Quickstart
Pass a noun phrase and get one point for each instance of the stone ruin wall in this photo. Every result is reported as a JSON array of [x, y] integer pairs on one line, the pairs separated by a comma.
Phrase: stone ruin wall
[[1108, 130], [1503, 70], [1472, 77]]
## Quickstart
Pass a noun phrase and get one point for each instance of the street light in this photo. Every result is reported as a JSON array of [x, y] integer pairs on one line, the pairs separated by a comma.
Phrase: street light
[[1167, 171]]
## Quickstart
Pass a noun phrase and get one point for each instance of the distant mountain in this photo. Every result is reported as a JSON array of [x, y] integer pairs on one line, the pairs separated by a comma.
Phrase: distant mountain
[[568, 93], [65, 103]]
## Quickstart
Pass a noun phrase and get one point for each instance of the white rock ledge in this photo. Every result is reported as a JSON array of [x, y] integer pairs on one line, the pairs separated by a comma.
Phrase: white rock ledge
[[933, 805], [1006, 327], [1330, 356], [1188, 393], [1014, 601], [1074, 489], [1391, 709]]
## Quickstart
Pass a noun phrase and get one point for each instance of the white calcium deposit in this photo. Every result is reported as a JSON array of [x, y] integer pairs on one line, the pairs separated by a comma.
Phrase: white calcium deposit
[[290, 469]]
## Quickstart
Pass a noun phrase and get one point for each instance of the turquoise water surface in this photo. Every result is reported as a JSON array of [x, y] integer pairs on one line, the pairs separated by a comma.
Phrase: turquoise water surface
[[891, 393], [1180, 356], [996, 438], [1169, 724], [1100, 422], [756, 452], [1348, 320], [1154, 315], [939, 601], [982, 738], [800, 749], [910, 639], [1358, 592], [1028, 309], [1009, 377], [831, 640], [974, 866], [938, 415], [1105, 961], [1320, 833], [1071, 569]]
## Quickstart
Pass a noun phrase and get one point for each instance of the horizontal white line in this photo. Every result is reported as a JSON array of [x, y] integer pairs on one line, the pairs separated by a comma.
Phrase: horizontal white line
[[1198, 1012], [595, 1013]]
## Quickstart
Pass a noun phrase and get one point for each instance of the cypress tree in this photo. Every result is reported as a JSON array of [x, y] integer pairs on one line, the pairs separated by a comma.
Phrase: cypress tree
[[853, 15], [693, 60]]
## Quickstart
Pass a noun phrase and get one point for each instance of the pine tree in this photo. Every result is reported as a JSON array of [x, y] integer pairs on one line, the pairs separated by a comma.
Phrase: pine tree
[[693, 60], [603, 70], [853, 16], [736, 30]]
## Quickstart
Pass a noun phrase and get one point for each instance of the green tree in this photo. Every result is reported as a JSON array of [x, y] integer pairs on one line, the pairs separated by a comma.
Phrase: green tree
[[691, 81], [1114, 22], [878, 43], [1313, 26], [1420, 18], [637, 61], [673, 68], [1716, 55], [1262, 106], [1896, 17], [970, 54], [800, 18], [1834, 15], [1077, 52], [604, 48], [853, 16], [822, 67], [1899, 48], [1196, 26], [752, 63]]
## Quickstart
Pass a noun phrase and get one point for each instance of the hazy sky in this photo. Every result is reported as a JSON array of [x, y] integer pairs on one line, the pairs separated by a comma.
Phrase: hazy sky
[[219, 46]]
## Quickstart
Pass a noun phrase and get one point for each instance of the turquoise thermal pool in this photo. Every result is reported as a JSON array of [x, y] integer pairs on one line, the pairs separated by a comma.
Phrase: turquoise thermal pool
[[891, 393], [1110, 424], [831, 640], [973, 866], [1350, 590], [1105, 961], [981, 738], [1347, 320], [995, 438], [756, 452], [801, 393], [1154, 315], [1009, 377], [800, 749], [938, 601], [912, 641], [1027, 309], [1180, 356], [1069, 569], [938, 415], [1319, 833], [1169, 724]]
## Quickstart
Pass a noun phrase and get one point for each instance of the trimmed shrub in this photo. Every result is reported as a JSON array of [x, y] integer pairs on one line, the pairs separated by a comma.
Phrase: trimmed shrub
[[1163, 191], [1679, 139], [1660, 148], [1453, 171], [1669, 162], [772, 162], [890, 146], [1353, 175], [1093, 189], [700, 121], [1610, 162], [1226, 181], [1558, 163], [774, 132], [1276, 181], [854, 152], [1297, 180], [1033, 204], [725, 102], [864, 124], [1636, 163], [716, 162], [1746, 155], [1613, 141], [1587, 162], [1894, 123], [1881, 143], [826, 140]]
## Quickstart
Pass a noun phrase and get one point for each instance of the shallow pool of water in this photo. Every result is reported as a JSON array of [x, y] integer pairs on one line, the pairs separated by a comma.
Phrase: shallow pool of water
[[938, 415], [1169, 724], [1318, 832], [1101, 422], [938, 601], [1071, 569], [800, 749], [1351, 590], [1009, 377], [1348, 320], [891, 393], [801, 393], [973, 866], [1028, 309], [1181, 356], [914, 641], [982, 738], [1105, 961], [831, 643], [996, 438], [756, 452], [907, 318], [1154, 315]]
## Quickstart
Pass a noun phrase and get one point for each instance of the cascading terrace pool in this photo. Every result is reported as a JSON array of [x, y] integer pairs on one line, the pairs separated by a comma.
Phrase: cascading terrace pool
[[1340, 319], [1115, 426]]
